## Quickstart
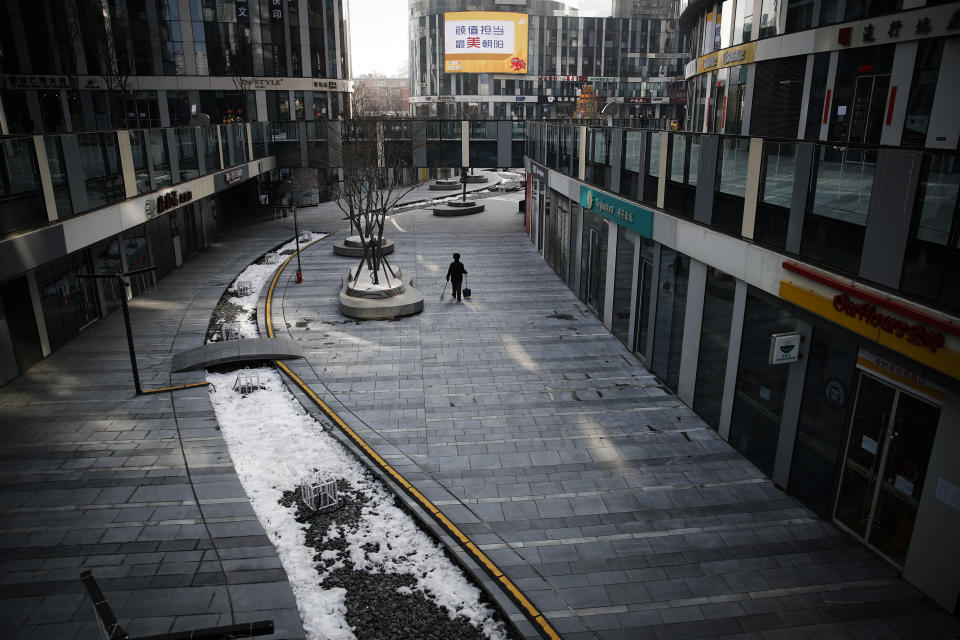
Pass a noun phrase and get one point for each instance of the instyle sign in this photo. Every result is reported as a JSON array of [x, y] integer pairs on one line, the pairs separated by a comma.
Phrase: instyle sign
[[626, 214], [485, 42], [731, 57]]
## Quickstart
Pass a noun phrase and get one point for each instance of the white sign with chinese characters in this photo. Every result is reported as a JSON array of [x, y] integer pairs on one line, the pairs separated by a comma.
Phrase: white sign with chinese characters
[[784, 348], [478, 36]]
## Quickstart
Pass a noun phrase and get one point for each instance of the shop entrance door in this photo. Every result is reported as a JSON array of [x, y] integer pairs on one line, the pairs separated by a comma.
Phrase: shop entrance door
[[869, 104], [594, 273], [885, 464]]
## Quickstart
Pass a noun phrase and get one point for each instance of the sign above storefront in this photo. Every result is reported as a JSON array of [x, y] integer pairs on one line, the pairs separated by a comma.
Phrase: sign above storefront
[[731, 57], [900, 376], [897, 325], [626, 214], [538, 172]]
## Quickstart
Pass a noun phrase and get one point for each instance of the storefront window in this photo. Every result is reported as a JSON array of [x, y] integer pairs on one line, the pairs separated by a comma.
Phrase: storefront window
[[69, 303], [645, 293], [622, 286], [758, 399], [670, 315], [826, 395], [593, 261], [714, 343]]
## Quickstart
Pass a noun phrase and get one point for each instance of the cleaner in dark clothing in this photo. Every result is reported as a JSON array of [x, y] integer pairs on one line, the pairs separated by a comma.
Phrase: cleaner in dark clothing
[[455, 273]]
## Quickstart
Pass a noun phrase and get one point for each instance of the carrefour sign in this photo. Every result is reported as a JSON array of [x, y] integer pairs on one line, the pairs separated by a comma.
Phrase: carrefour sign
[[624, 213]]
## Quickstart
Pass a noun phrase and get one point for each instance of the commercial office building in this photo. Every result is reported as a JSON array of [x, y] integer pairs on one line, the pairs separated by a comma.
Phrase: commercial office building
[[634, 60], [826, 231]]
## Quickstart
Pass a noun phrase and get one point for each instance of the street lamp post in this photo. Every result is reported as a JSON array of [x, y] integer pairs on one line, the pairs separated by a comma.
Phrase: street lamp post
[[126, 315], [296, 231]]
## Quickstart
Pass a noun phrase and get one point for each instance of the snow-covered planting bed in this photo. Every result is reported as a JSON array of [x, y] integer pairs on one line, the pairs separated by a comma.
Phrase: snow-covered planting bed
[[363, 570], [242, 309]]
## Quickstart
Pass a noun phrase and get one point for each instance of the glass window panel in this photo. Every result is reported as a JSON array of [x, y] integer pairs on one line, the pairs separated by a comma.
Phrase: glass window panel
[[714, 343], [677, 157], [671, 311], [653, 166], [622, 286], [760, 388], [631, 159], [733, 168]]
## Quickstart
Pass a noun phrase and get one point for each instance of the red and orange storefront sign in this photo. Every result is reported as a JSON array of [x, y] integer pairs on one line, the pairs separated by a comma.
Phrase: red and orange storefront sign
[[904, 328]]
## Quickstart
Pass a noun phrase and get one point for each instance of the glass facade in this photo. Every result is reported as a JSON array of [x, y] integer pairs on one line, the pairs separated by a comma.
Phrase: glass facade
[[593, 261], [623, 286], [760, 389], [670, 315], [827, 396], [714, 344]]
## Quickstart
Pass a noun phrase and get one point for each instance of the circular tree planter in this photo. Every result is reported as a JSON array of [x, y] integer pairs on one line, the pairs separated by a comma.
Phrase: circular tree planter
[[445, 185], [364, 301], [458, 208], [350, 246]]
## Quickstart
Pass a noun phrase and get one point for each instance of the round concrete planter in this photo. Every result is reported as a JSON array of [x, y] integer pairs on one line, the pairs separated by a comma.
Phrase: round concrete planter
[[401, 299], [476, 179], [445, 185], [350, 246], [457, 208]]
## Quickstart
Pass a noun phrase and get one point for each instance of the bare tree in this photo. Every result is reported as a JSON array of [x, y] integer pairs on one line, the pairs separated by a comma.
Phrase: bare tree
[[375, 174]]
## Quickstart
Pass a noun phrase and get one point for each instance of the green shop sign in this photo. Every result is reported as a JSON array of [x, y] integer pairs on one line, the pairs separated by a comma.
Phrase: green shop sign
[[626, 214]]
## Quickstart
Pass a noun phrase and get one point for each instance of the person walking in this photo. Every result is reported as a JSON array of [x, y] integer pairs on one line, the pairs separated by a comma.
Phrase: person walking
[[455, 273]]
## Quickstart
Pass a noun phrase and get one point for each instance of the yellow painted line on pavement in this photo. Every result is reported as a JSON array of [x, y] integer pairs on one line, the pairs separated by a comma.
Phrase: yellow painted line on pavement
[[532, 613]]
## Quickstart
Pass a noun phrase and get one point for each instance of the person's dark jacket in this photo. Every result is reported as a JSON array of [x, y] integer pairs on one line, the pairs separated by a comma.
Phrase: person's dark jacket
[[456, 271]]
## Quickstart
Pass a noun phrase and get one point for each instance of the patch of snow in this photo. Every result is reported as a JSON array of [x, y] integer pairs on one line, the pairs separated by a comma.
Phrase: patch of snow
[[273, 442], [365, 280], [257, 275]]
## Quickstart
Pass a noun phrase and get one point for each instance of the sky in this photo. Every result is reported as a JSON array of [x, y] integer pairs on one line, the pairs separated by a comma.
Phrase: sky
[[378, 33]]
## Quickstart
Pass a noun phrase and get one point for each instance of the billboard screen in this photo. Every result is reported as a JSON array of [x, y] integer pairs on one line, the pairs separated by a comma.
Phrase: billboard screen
[[485, 42]]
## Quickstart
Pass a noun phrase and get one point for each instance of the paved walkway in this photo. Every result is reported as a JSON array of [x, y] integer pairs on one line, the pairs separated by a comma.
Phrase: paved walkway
[[617, 511], [139, 490]]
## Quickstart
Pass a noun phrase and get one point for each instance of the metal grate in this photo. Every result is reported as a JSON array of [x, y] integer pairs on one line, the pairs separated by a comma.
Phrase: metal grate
[[247, 381], [319, 494], [243, 288], [230, 331]]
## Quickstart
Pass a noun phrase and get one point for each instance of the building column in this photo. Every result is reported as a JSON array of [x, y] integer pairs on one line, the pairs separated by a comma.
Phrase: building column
[[582, 146], [38, 313], [46, 182], [4, 129], [663, 160], [944, 129], [634, 286], [220, 145], [126, 164], [733, 358], [576, 226], [616, 158], [894, 193], [611, 274], [163, 108], [706, 179], [790, 415], [827, 101], [805, 104], [752, 193], [464, 143], [748, 99], [803, 170], [73, 162], [901, 79], [692, 325], [262, 113]]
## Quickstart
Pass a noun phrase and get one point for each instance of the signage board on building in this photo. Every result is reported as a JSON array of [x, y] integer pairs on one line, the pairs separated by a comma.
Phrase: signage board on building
[[899, 376], [897, 325], [730, 57], [485, 42], [34, 81], [231, 177], [538, 172], [784, 348], [626, 214]]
